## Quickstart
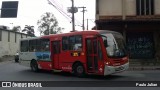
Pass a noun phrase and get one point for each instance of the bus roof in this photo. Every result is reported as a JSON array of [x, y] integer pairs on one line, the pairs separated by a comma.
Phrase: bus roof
[[82, 32], [73, 33]]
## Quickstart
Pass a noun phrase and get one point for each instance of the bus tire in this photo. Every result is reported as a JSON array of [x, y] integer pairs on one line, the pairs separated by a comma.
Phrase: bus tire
[[34, 66], [79, 70]]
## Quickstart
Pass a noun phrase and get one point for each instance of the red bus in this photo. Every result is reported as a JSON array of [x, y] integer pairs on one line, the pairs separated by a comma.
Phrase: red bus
[[98, 52]]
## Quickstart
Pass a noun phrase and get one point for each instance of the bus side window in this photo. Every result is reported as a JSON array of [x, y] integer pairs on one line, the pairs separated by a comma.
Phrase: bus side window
[[78, 43], [75, 43], [32, 45], [45, 45], [24, 46], [71, 42], [38, 45], [64, 43]]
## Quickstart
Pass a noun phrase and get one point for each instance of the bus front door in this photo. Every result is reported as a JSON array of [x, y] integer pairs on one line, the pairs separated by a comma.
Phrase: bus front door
[[94, 55], [55, 54]]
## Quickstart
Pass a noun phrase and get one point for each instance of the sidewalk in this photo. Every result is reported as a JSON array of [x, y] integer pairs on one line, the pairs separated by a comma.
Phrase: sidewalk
[[132, 68], [6, 58], [149, 64]]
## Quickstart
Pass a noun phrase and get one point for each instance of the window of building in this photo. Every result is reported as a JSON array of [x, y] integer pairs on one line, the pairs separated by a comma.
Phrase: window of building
[[145, 7], [24, 46]]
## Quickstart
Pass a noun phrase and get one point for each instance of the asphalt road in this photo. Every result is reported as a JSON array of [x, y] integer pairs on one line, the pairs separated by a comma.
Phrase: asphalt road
[[10, 71]]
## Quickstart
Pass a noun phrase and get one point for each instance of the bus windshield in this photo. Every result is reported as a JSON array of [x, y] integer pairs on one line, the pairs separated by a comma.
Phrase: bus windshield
[[115, 45]]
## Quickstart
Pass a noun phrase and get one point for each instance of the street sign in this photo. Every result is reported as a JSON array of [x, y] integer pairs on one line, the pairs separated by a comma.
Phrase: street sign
[[74, 9], [9, 9]]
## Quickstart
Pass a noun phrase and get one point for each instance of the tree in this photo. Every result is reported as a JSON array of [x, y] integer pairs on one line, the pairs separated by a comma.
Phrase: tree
[[29, 30], [58, 30], [48, 24], [16, 28]]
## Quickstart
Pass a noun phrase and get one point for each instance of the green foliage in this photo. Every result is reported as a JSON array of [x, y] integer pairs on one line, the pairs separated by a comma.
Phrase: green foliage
[[29, 30], [16, 28], [48, 24]]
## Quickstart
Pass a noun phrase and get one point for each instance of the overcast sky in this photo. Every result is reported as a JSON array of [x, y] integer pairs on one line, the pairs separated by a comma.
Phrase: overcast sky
[[29, 11]]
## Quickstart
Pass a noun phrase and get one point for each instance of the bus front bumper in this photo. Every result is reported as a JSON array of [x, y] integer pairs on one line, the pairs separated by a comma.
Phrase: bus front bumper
[[115, 69]]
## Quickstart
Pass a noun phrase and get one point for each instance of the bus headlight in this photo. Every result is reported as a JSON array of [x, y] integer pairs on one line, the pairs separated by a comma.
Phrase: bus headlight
[[107, 63]]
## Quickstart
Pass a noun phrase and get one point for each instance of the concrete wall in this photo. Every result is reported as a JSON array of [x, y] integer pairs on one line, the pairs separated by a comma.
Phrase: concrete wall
[[114, 7], [130, 7], [110, 7], [12, 46], [157, 7]]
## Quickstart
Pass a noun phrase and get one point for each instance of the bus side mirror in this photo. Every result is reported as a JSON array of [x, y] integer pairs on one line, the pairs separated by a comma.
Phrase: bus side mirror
[[105, 43]]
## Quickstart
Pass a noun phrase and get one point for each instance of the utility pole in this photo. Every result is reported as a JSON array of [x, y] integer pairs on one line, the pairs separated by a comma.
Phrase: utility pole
[[73, 23], [87, 24], [83, 16], [83, 11]]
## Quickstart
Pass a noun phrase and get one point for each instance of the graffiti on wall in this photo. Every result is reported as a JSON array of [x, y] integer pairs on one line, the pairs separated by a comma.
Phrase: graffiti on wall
[[140, 45]]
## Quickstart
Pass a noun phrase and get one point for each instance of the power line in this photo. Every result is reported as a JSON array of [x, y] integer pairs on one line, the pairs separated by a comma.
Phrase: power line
[[65, 12], [59, 10], [58, 5], [62, 11]]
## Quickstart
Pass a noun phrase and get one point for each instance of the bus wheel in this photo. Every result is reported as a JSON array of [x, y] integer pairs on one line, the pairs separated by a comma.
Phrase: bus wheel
[[79, 70], [34, 66]]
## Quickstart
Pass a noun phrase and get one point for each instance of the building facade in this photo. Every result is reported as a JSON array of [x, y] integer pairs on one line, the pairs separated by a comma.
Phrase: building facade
[[9, 41], [137, 20]]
